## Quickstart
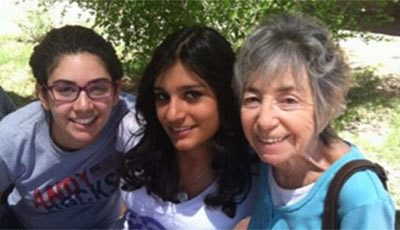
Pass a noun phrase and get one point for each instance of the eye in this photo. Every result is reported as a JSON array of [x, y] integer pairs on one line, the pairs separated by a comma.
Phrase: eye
[[289, 102], [64, 89], [192, 95], [250, 100], [160, 96], [99, 88]]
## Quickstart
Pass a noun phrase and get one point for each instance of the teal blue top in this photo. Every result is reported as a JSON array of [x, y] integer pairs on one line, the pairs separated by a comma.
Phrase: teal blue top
[[363, 202]]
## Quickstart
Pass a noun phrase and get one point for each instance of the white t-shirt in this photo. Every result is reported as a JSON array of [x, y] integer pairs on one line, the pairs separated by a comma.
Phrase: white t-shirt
[[281, 196], [148, 212]]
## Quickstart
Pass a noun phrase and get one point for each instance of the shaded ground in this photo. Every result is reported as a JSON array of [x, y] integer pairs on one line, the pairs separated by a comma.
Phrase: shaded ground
[[382, 79], [391, 28], [383, 55], [377, 68]]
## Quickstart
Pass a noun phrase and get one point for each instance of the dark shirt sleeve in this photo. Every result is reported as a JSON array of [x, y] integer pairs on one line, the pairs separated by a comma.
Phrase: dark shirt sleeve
[[6, 104]]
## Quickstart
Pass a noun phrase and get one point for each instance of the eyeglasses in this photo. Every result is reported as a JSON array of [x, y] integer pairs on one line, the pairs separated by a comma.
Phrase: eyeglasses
[[69, 92]]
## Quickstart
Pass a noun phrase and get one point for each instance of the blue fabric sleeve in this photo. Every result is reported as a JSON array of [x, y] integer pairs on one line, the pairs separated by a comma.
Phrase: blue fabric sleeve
[[4, 178], [377, 215], [5, 148], [6, 104]]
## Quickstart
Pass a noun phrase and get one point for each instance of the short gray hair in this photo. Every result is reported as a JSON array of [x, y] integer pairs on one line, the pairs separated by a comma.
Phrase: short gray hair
[[300, 43]]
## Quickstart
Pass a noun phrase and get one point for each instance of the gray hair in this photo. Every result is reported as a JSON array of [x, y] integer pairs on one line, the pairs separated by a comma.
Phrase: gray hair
[[302, 44]]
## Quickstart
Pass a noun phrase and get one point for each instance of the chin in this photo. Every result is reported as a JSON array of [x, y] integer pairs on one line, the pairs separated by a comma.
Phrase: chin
[[183, 146], [270, 159], [84, 140]]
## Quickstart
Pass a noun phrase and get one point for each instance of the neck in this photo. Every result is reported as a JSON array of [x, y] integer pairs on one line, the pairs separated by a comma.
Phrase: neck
[[195, 172], [306, 168]]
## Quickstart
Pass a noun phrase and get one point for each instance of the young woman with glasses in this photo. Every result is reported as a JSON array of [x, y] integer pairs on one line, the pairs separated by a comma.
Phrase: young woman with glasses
[[59, 153]]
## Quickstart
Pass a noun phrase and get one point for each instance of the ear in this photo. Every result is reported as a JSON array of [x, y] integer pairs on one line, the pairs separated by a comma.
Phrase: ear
[[117, 91], [42, 96]]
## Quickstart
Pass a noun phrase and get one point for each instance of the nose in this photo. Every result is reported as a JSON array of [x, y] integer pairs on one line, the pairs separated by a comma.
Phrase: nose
[[83, 102], [267, 118], [175, 112]]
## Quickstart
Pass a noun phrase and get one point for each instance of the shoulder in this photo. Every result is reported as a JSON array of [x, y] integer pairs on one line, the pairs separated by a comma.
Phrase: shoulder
[[19, 131], [247, 206], [127, 101], [140, 200], [363, 188], [23, 119], [364, 203], [128, 134], [6, 104], [22, 131]]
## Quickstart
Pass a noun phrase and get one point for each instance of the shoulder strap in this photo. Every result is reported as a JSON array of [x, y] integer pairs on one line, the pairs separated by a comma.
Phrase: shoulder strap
[[329, 219]]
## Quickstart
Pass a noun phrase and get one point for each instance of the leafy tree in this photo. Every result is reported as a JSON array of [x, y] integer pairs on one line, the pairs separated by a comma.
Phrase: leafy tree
[[140, 25], [36, 23]]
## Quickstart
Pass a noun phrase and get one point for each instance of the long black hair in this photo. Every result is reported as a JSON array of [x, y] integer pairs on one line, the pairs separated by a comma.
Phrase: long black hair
[[153, 161]]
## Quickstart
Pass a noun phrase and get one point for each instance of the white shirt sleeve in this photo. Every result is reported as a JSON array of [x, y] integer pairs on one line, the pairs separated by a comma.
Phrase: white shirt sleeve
[[127, 134]]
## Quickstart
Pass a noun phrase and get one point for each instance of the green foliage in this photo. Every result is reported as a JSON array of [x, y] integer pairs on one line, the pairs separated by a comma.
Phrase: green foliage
[[140, 25], [372, 122], [15, 76], [35, 25], [392, 142], [387, 151], [368, 93]]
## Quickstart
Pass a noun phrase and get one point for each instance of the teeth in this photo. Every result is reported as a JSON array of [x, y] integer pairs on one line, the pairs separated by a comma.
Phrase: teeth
[[272, 140], [179, 129], [83, 121]]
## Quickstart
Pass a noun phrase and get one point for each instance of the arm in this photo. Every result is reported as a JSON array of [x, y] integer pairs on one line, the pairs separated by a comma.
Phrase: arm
[[380, 215], [365, 204], [126, 134], [243, 224], [6, 104]]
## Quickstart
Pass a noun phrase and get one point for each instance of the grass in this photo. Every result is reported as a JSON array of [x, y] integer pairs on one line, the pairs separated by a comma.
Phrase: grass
[[15, 76], [371, 120]]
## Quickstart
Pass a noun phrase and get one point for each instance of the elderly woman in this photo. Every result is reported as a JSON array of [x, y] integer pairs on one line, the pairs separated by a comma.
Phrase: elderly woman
[[292, 83]]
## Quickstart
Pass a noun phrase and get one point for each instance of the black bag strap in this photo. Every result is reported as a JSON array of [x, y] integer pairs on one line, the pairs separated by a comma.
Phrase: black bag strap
[[329, 219]]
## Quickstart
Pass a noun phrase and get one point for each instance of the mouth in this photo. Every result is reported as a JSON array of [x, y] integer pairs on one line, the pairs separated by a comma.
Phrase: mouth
[[84, 121], [180, 131], [271, 140]]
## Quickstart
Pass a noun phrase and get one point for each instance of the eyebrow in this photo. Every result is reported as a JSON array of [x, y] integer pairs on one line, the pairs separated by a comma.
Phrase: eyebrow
[[282, 89], [64, 81], [183, 88], [286, 88], [72, 82], [251, 89]]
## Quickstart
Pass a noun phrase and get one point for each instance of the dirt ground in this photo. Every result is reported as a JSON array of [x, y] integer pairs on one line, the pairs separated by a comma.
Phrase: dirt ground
[[383, 55], [384, 58]]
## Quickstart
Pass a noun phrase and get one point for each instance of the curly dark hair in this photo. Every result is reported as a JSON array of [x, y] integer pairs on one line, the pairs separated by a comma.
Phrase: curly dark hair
[[153, 162], [72, 39]]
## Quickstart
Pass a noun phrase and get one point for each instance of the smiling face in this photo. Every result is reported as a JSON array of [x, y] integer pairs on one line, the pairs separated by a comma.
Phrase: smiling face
[[278, 118], [75, 124], [186, 108]]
